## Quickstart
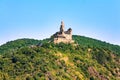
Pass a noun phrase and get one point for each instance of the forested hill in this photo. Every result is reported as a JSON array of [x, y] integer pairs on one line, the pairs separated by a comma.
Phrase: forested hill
[[89, 42], [81, 40], [87, 59], [18, 44]]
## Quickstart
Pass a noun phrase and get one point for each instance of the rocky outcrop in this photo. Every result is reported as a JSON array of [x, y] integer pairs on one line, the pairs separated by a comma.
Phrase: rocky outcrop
[[92, 71]]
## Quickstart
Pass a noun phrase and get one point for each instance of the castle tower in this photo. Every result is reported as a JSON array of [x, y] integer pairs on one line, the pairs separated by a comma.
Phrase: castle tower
[[69, 31], [62, 27]]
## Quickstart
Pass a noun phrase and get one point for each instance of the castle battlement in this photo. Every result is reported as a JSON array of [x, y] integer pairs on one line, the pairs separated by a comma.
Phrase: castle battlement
[[63, 36]]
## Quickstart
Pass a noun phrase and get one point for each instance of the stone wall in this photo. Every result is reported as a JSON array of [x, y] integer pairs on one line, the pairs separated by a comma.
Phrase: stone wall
[[58, 40]]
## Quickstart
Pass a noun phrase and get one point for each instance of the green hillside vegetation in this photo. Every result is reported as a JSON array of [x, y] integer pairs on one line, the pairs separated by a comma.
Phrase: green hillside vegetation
[[88, 59], [89, 42], [11, 45]]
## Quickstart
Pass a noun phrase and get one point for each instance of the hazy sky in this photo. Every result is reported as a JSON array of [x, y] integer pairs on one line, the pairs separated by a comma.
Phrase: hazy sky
[[39, 19]]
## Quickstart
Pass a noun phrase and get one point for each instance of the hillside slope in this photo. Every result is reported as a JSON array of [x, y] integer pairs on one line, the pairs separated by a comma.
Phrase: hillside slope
[[89, 42], [90, 59], [11, 45]]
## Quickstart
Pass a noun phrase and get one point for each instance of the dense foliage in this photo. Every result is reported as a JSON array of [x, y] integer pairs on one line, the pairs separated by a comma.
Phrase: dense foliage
[[88, 60], [85, 41], [17, 44]]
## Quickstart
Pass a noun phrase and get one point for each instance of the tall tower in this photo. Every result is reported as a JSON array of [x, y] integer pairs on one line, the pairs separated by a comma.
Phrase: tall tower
[[62, 27]]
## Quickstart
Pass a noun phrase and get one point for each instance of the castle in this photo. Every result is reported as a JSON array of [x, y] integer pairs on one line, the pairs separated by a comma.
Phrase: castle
[[63, 36]]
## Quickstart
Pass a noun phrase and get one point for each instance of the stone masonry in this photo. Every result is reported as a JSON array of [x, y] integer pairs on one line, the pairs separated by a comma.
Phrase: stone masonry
[[63, 36]]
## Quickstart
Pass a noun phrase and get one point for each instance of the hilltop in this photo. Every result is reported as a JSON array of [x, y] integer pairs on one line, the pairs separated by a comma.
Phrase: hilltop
[[87, 59]]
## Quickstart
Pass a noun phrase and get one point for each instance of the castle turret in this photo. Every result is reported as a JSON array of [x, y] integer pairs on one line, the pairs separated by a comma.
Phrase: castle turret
[[69, 31], [62, 27]]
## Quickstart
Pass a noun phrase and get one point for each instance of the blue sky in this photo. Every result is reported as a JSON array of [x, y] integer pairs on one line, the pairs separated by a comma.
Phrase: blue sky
[[39, 19]]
